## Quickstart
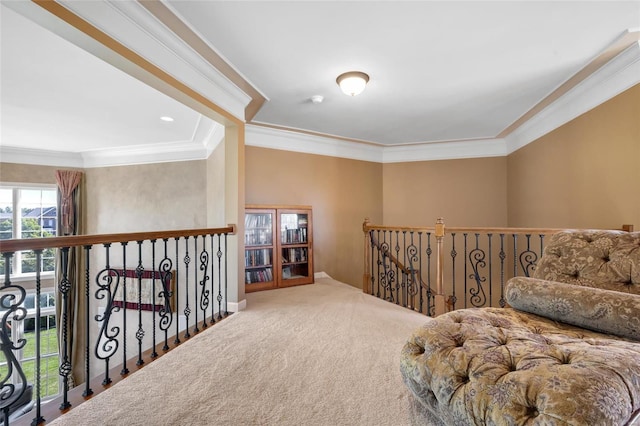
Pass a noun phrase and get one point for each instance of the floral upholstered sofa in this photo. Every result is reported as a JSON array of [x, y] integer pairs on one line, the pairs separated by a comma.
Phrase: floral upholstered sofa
[[566, 351]]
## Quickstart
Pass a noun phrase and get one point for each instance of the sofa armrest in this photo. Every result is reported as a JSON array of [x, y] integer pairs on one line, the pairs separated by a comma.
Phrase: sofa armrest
[[595, 309]]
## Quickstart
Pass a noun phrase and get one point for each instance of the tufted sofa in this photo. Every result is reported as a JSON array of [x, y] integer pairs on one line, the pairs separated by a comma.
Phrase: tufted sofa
[[566, 351]]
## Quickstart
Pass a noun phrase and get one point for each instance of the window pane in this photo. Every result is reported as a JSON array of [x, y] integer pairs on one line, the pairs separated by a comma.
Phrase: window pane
[[6, 215], [38, 212]]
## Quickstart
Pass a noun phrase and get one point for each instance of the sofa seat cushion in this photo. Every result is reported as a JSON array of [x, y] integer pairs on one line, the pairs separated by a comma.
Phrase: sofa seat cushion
[[501, 366]]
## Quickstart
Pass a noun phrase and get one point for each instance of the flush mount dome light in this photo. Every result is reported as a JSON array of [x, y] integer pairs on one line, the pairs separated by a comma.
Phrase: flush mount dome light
[[353, 82]]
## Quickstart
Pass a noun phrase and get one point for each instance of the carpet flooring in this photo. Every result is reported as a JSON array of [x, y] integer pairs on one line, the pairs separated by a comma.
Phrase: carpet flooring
[[320, 354]]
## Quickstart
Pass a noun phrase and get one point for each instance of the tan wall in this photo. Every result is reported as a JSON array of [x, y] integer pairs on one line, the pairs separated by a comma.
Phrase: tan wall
[[585, 174], [468, 192], [27, 173], [149, 197], [342, 193]]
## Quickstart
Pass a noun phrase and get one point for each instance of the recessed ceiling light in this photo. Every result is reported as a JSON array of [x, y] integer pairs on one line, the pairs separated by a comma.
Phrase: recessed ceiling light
[[166, 118]]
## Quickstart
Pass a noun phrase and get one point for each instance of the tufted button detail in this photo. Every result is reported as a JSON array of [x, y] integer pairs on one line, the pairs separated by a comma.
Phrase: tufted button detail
[[606, 258]]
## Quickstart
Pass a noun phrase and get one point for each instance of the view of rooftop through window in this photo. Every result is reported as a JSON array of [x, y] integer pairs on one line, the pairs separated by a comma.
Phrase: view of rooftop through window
[[28, 212]]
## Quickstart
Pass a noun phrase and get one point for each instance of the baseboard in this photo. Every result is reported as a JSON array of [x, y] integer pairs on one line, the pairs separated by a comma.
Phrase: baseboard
[[237, 306], [319, 275]]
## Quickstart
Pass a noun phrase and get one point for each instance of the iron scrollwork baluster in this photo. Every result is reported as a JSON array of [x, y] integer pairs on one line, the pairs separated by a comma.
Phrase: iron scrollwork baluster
[[187, 309], [528, 258], [108, 281], [477, 261], [140, 333], [219, 254], [413, 284], [165, 312], [204, 291], [502, 255], [65, 365], [9, 392]]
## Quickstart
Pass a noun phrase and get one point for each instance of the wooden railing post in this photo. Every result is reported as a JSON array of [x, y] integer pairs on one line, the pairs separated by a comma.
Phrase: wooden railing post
[[439, 299], [366, 276]]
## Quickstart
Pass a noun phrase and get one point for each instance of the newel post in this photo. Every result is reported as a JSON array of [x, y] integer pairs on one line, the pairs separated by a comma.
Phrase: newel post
[[366, 277], [439, 299]]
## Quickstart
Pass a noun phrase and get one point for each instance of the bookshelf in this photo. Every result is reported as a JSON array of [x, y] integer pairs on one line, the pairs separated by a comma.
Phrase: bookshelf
[[278, 247]]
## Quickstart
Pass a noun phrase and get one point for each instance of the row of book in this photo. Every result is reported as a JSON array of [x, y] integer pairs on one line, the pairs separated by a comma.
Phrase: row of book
[[257, 257], [257, 220], [293, 236], [258, 276], [293, 255], [254, 237]]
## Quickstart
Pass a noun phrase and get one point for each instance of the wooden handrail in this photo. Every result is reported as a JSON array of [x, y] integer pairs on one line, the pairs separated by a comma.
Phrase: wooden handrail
[[10, 246]]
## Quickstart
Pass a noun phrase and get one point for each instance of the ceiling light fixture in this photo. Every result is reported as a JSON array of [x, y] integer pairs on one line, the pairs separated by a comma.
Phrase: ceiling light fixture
[[353, 82], [166, 118]]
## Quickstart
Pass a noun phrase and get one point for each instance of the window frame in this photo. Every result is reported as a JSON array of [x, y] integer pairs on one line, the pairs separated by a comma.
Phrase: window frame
[[16, 224]]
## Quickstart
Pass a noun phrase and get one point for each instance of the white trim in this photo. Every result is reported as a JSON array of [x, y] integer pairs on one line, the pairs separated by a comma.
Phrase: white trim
[[613, 78], [145, 154], [445, 150], [319, 275], [287, 140], [40, 157], [237, 306], [133, 26]]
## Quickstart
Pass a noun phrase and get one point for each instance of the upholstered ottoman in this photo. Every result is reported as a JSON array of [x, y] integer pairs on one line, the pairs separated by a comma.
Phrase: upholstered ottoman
[[506, 366]]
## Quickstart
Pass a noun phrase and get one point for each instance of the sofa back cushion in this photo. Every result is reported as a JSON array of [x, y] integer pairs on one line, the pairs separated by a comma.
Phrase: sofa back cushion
[[608, 260]]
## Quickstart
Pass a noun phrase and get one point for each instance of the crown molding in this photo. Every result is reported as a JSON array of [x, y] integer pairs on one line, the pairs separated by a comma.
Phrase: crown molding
[[613, 78], [40, 157], [288, 140], [450, 150]]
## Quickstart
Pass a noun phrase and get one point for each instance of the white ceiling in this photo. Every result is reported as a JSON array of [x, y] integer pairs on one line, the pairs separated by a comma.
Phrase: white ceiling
[[440, 71]]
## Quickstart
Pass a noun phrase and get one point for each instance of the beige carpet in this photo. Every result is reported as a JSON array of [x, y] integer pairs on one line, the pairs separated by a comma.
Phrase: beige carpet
[[321, 354]]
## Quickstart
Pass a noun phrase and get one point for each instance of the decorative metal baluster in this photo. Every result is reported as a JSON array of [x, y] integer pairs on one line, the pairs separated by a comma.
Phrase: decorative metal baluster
[[87, 323], [166, 313], [107, 289], [454, 253], [502, 256], [399, 273], [213, 279], [490, 271], [515, 254], [477, 260], [373, 276], [226, 278], [38, 418], [140, 332], [379, 262], [219, 254], [413, 286], [528, 258], [466, 293], [541, 236], [187, 310], [429, 291], [176, 341], [196, 329], [124, 370], [154, 277], [10, 302], [65, 365], [204, 292]]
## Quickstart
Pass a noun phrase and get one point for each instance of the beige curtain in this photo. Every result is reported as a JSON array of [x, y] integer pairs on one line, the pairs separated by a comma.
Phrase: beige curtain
[[70, 222]]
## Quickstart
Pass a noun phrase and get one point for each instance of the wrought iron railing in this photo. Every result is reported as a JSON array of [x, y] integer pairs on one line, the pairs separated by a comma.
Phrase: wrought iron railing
[[147, 291], [433, 269]]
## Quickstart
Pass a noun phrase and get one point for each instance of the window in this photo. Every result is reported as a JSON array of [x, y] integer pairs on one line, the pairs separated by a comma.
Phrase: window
[[28, 212]]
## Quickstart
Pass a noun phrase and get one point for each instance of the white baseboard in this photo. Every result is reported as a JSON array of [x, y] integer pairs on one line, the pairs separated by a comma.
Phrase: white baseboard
[[237, 306], [319, 275]]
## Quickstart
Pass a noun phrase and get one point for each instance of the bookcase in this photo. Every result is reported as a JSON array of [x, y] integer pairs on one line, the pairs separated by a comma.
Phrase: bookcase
[[278, 246]]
